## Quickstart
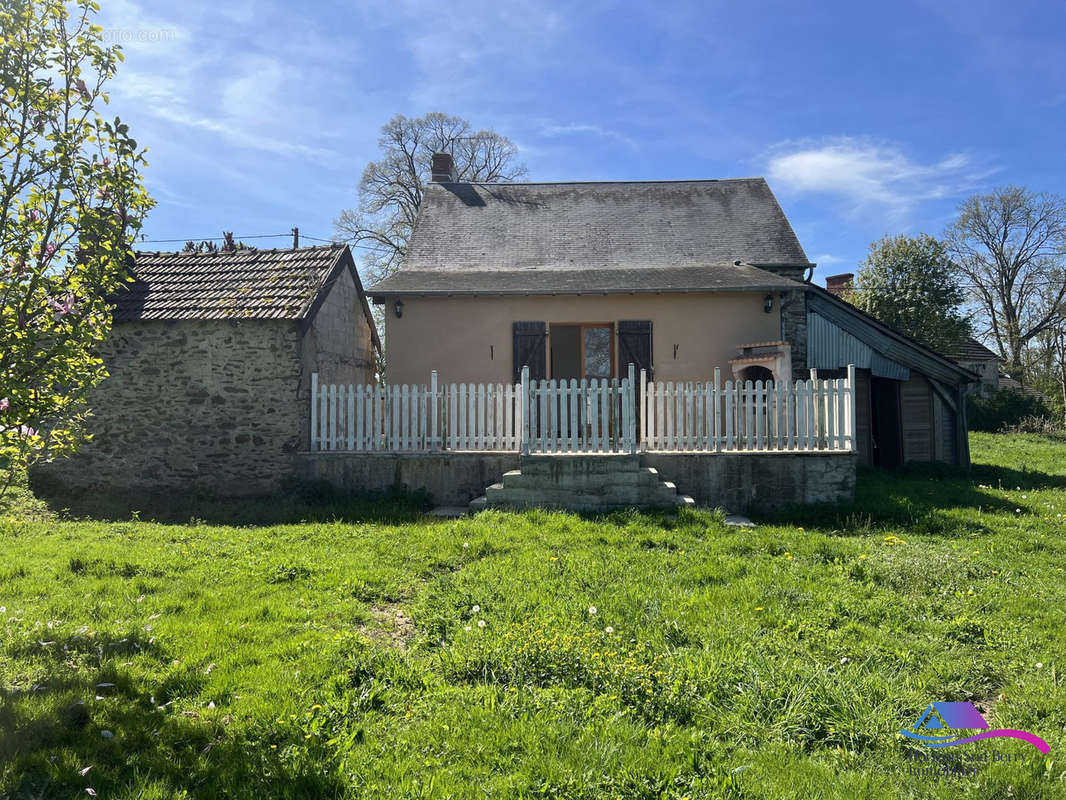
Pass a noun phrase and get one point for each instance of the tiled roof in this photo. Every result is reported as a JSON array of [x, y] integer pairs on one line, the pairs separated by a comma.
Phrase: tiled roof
[[973, 350], [1006, 382], [570, 229], [592, 281], [244, 284]]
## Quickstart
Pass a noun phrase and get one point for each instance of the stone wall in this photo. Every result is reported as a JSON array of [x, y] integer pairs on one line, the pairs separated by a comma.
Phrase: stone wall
[[212, 404], [740, 482], [219, 405], [337, 344], [751, 482], [794, 329], [450, 478]]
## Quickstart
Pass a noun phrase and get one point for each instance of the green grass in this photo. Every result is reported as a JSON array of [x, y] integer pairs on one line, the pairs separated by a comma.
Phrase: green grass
[[347, 658]]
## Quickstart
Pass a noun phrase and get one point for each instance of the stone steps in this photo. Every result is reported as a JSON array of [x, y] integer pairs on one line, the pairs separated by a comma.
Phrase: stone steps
[[581, 482]]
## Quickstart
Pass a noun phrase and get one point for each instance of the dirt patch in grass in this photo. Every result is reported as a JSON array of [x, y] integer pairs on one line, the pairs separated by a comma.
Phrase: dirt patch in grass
[[390, 625]]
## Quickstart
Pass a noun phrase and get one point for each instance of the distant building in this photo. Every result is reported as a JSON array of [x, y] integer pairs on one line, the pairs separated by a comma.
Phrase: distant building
[[975, 357]]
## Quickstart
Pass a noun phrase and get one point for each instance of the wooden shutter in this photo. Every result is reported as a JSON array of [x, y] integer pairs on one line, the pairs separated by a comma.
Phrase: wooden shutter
[[634, 346], [530, 349]]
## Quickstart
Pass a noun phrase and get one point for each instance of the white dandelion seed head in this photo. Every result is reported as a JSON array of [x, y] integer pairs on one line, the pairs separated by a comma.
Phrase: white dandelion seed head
[[592, 610], [608, 629], [481, 623], [476, 609]]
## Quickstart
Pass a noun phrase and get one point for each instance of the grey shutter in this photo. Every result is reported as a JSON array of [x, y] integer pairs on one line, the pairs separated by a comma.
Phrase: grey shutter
[[634, 346], [530, 349]]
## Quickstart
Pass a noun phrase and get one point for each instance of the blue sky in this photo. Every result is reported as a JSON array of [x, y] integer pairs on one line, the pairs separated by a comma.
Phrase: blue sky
[[866, 118]]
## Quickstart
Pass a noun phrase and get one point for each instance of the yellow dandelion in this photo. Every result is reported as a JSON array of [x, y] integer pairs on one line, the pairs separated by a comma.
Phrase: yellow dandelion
[[758, 608]]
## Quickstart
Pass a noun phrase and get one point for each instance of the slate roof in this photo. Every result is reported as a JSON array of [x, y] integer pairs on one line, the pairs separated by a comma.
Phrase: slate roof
[[583, 236], [245, 284]]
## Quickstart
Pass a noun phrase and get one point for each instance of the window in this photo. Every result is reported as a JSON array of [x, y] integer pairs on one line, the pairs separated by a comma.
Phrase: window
[[582, 350]]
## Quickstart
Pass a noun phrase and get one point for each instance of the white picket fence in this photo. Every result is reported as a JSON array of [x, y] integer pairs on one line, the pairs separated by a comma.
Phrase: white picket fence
[[815, 414], [586, 416], [579, 416]]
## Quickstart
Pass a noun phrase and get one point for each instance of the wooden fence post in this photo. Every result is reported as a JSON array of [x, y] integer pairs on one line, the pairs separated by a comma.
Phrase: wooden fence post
[[525, 410], [630, 397], [433, 407], [852, 433], [314, 410]]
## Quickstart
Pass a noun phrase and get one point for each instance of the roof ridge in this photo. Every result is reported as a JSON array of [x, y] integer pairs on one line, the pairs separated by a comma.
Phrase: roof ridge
[[246, 249], [585, 183]]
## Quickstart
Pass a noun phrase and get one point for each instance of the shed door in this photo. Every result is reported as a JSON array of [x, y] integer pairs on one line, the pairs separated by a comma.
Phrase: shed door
[[530, 345], [634, 346], [917, 404]]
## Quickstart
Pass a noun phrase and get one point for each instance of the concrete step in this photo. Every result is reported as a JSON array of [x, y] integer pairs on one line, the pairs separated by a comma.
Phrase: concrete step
[[478, 504], [633, 480], [582, 482], [559, 464]]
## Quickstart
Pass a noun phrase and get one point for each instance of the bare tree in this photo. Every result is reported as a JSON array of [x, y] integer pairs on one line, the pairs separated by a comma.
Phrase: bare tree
[[1010, 247], [1059, 349], [391, 187]]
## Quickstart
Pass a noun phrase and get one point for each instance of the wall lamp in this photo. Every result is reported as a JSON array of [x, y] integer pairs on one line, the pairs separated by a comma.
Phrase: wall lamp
[[398, 308], [767, 306]]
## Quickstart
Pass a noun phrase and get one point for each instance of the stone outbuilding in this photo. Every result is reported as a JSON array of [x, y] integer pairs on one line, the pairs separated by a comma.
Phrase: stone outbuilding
[[210, 361]]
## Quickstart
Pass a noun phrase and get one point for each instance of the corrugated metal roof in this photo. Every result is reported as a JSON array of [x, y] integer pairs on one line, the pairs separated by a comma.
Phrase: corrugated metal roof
[[889, 343], [830, 347]]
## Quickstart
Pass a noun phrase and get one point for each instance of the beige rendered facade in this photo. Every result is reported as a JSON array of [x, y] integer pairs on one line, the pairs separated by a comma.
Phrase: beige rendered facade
[[469, 338]]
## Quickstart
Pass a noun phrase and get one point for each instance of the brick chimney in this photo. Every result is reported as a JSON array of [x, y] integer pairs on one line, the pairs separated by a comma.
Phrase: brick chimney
[[838, 284], [443, 168]]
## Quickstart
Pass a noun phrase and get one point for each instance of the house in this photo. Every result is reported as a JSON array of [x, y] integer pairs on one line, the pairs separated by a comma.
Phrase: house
[[210, 360], [977, 358], [683, 279]]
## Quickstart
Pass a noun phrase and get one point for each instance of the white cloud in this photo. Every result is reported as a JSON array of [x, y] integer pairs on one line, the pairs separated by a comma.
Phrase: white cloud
[[551, 129], [827, 258], [190, 78], [870, 174]]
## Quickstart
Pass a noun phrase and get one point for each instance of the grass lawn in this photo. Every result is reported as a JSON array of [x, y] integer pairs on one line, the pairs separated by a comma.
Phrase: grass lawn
[[376, 654]]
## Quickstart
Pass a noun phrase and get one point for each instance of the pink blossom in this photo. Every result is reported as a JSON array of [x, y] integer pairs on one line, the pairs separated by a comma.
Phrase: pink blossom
[[5, 403], [61, 309], [26, 430], [83, 90], [107, 161]]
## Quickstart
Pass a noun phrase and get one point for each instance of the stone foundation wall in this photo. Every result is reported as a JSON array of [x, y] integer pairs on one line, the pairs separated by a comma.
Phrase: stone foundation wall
[[750, 482], [452, 479], [218, 405], [740, 482]]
